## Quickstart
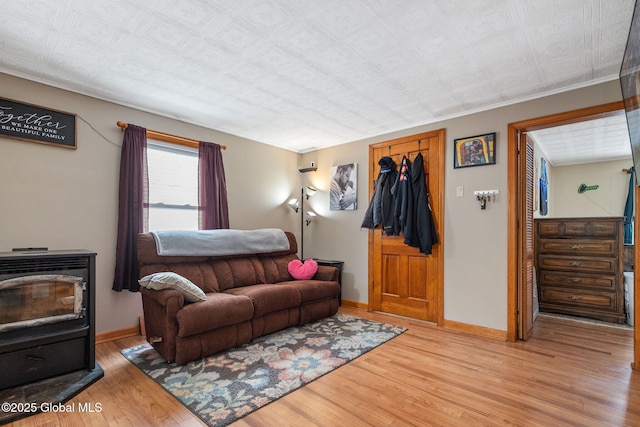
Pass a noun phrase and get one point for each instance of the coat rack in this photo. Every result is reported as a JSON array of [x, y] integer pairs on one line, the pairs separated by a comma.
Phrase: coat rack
[[484, 196]]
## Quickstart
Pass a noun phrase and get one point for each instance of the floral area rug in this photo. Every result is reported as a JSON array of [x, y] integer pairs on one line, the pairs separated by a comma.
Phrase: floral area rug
[[226, 386]]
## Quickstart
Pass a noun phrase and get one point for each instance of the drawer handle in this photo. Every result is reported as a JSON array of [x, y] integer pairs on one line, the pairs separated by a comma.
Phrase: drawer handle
[[35, 358], [576, 279], [575, 263], [574, 297], [577, 247]]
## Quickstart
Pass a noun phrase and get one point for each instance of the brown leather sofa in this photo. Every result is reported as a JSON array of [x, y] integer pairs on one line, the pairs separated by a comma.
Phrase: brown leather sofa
[[247, 296]]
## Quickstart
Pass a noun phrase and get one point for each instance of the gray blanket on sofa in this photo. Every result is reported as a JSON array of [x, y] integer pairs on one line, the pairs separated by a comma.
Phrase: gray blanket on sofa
[[220, 242]]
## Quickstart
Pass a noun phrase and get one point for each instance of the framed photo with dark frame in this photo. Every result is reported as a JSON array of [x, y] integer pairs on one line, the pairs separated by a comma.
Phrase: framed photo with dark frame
[[476, 150]]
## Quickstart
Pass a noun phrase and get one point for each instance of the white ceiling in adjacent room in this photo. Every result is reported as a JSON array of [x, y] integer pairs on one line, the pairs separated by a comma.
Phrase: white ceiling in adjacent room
[[308, 74], [590, 141]]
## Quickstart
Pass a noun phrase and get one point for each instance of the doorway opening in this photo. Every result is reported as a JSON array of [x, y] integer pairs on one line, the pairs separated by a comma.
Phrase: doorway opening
[[520, 311]]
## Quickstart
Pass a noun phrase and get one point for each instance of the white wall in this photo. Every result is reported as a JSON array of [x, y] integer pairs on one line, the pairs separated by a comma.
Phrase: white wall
[[63, 199], [607, 200], [475, 288], [66, 199]]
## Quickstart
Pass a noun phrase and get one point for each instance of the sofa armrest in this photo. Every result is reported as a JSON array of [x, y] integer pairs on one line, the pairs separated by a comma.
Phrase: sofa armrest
[[160, 319], [164, 297], [327, 273]]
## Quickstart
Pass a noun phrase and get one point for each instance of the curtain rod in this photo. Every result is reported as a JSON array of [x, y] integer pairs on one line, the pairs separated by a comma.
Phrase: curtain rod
[[167, 137]]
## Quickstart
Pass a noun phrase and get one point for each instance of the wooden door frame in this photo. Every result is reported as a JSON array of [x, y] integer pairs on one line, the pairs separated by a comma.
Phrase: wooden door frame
[[514, 215], [438, 213]]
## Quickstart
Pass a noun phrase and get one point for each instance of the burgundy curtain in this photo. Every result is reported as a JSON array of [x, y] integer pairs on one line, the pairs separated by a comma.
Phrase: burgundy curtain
[[133, 202], [212, 188]]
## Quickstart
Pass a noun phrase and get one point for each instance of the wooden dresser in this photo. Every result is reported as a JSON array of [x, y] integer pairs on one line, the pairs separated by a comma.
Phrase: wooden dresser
[[579, 266]]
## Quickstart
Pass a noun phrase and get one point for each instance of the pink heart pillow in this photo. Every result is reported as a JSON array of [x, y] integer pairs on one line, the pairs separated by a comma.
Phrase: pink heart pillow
[[303, 271]]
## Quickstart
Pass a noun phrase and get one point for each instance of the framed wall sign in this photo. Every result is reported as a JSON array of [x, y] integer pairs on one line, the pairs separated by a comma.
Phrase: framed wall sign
[[37, 124], [476, 150]]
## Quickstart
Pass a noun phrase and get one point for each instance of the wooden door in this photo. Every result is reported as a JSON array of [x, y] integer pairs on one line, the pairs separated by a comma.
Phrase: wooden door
[[525, 295], [402, 280]]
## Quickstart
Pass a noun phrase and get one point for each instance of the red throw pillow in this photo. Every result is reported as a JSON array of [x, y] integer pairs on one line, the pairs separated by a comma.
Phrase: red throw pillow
[[303, 271]]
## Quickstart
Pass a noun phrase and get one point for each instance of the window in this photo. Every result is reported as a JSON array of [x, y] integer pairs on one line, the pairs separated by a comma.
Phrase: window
[[173, 187]]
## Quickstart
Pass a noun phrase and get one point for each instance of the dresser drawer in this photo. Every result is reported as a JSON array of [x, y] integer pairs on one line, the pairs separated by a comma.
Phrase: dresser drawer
[[578, 264], [578, 228], [585, 247], [578, 298], [604, 282]]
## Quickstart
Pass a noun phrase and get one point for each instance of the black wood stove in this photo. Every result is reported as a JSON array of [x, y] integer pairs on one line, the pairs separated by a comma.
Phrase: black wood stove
[[47, 322]]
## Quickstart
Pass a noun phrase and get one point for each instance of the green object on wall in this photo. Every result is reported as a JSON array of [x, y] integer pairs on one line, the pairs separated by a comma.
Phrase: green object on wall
[[583, 188]]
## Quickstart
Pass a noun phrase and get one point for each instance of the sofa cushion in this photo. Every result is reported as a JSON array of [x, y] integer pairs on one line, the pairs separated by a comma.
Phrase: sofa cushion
[[313, 290], [303, 270], [236, 272], [275, 267], [219, 310], [170, 280], [247, 271], [268, 298]]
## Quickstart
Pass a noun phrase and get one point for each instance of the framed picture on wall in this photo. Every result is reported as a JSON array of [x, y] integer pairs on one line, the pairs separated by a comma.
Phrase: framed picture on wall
[[476, 150], [343, 189]]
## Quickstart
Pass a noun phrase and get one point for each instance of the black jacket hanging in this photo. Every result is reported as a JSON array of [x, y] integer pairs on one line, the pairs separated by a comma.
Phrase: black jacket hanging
[[423, 233], [381, 208], [402, 192]]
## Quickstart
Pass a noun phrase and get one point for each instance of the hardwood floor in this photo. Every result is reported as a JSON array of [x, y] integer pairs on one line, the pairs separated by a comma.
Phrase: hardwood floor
[[569, 373]]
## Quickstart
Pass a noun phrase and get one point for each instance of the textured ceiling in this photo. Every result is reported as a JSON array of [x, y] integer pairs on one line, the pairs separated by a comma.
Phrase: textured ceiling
[[308, 74]]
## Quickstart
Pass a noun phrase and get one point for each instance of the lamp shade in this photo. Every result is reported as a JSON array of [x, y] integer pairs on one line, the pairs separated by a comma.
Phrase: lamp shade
[[311, 191], [294, 204], [311, 216]]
